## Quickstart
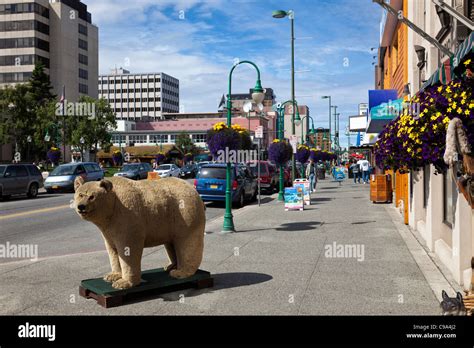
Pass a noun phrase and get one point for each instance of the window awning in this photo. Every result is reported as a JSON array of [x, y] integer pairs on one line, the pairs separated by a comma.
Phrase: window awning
[[448, 69]]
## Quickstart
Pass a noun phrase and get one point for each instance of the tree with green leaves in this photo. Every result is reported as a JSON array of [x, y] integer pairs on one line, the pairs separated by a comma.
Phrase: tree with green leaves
[[26, 113], [93, 129], [185, 144]]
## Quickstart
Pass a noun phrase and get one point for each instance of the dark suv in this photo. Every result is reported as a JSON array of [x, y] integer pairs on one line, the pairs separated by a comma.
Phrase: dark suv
[[19, 179]]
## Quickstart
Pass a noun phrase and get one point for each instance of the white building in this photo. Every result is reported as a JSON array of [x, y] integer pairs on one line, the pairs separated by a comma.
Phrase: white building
[[140, 96], [436, 210]]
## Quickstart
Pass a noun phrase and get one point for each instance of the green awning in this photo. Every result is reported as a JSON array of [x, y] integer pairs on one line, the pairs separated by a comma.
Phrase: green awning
[[449, 69]]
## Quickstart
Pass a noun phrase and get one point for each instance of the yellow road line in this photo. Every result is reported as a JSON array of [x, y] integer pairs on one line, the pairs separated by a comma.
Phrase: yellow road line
[[31, 212]]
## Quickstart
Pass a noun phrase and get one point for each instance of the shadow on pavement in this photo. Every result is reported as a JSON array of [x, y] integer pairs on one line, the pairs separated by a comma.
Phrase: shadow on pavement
[[321, 199], [299, 226], [221, 281]]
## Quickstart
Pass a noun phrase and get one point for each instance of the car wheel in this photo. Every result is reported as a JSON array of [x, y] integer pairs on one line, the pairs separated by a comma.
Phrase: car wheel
[[33, 191]]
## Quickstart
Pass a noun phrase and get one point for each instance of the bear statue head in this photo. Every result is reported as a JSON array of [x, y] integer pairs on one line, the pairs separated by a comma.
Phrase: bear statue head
[[93, 199]]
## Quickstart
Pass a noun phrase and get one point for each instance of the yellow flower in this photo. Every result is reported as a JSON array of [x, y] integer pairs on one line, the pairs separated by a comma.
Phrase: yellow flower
[[467, 112], [440, 88], [409, 149], [435, 127], [467, 62], [459, 110], [446, 120]]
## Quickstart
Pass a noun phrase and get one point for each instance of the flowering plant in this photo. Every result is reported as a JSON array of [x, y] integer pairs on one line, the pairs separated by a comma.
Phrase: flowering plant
[[413, 141], [302, 154], [54, 154], [280, 152], [220, 137]]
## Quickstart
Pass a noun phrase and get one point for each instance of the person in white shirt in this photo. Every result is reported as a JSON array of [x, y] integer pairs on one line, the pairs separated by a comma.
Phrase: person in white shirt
[[365, 168]]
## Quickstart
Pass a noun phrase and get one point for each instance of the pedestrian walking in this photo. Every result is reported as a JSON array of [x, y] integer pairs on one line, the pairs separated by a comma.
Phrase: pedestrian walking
[[311, 175], [355, 168], [365, 168]]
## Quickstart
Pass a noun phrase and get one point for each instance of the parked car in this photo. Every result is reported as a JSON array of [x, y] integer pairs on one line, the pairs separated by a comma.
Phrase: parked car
[[286, 175], [188, 171], [268, 175], [168, 170], [210, 183], [135, 171], [19, 179], [61, 179]]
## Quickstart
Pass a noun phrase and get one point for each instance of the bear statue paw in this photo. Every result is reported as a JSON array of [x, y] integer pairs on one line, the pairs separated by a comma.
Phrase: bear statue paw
[[112, 277], [122, 284], [170, 267], [180, 274]]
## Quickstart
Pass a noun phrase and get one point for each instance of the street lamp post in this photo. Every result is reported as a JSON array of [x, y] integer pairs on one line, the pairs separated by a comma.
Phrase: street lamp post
[[82, 141], [291, 15], [330, 109], [303, 137], [29, 139], [258, 96], [281, 136]]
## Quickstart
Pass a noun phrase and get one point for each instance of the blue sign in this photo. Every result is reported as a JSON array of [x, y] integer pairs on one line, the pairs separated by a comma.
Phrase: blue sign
[[380, 96]]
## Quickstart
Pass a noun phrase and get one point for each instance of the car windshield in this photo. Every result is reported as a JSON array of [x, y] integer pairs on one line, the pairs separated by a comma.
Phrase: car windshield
[[129, 168], [63, 170], [164, 167], [190, 167], [212, 173], [2, 169]]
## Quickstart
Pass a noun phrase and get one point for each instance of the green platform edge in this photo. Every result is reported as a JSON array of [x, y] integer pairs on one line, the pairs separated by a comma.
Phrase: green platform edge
[[152, 279]]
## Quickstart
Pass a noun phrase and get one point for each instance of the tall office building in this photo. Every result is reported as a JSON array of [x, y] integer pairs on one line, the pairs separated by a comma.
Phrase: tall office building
[[140, 96], [59, 33]]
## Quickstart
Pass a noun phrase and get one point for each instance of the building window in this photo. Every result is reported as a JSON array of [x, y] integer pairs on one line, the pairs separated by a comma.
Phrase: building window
[[26, 59], [173, 138], [15, 77], [29, 7], [85, 60], [199, 138], [450, 196], [24, 42], [82, 29], [83, 44], [84, 89], [83, 74]]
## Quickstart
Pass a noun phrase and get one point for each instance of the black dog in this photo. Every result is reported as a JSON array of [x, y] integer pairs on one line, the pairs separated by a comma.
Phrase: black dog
[[453, 306]]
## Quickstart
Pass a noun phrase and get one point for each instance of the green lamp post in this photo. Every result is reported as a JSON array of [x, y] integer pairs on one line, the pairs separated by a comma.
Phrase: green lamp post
[[258, 96], [298, 122], [291, 15], [330, 109], [281, 136]]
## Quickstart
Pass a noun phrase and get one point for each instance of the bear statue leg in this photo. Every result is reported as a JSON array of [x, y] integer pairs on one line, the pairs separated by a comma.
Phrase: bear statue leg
[[130, 262], [172, 257], [116, 273], [189, 253]]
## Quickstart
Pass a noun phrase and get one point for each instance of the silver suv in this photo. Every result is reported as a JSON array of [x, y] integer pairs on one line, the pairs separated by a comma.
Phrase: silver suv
[[19, 179]]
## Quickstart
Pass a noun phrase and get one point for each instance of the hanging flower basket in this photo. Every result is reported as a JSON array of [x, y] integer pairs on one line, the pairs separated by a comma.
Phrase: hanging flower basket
[[160, 157], [412, 141], [220, 137], [117, 158], [302, 154], [280, 152], [54, 155]]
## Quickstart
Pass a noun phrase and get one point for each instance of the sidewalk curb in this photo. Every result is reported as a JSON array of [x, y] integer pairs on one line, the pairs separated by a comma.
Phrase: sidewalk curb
[[433, 275]]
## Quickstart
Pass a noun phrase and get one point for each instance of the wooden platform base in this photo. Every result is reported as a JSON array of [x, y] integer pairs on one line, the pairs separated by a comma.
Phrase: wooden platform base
[[154, 282]]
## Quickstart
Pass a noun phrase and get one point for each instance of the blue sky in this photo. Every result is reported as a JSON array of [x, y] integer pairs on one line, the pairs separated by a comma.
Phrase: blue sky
[[197, 41]]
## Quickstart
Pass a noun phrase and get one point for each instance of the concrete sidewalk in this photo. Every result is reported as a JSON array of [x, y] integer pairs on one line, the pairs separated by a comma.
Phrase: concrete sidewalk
[[277, 263]]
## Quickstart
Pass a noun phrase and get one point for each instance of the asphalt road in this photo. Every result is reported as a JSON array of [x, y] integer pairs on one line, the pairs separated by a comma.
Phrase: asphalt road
[[49, 222]]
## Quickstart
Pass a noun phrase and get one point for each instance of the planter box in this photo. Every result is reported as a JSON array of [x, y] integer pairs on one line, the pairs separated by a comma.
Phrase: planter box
[[381, 188]]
